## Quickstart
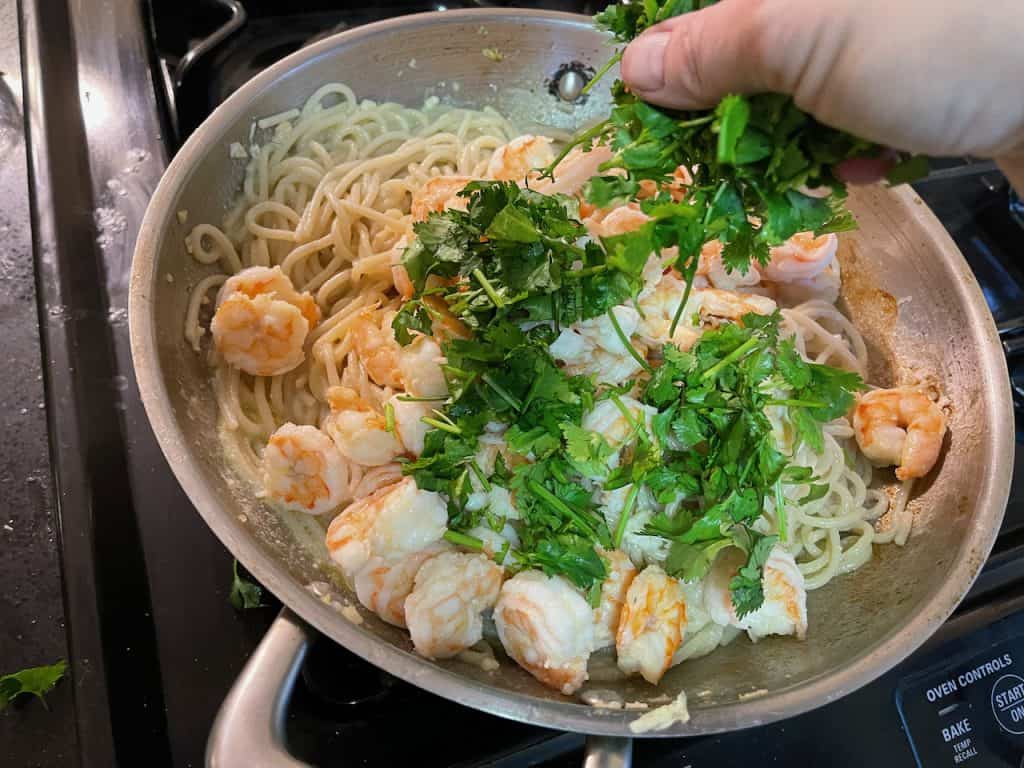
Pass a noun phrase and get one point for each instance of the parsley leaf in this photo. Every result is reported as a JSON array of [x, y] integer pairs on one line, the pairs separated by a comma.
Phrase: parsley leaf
[[747, 587], [35, 681], [413, 316], [569, 556], [691, 562], [752, 158], [244, 594], [588, 452]]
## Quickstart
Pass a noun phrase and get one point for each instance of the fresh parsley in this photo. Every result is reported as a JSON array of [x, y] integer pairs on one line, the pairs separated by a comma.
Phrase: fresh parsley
[[752, 158], [747, 586], [244, 594], [716, 439], [35, 681]]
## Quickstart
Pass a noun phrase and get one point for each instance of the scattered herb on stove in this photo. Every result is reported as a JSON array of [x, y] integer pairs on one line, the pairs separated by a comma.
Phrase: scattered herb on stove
[[35, 681], [244, 594], [493, 54]]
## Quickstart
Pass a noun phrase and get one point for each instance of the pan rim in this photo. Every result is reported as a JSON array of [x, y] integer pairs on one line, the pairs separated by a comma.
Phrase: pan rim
[[567, 715]]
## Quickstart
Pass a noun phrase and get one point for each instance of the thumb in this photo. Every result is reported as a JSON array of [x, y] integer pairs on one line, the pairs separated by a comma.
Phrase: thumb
[[692, 61]]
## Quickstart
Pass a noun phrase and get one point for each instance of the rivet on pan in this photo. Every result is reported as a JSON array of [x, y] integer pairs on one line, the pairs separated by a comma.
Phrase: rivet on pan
[[570, 85], [569, 80]]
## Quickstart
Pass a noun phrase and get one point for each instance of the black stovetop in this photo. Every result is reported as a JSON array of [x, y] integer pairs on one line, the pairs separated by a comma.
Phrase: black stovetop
[[160, 642]]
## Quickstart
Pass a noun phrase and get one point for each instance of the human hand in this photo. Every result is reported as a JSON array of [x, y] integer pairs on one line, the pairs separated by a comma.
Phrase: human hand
[[933, 76]]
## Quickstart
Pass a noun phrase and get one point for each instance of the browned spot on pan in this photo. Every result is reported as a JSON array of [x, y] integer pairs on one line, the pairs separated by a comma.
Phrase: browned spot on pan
[[873, 311]]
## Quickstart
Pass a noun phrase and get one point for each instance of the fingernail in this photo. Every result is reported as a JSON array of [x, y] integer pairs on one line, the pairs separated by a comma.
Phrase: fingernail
[[646, 70]]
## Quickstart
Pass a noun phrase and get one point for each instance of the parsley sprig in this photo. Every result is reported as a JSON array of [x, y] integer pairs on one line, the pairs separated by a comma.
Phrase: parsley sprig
[[712, 404], [32, 681], [509, 267], [752, 159]]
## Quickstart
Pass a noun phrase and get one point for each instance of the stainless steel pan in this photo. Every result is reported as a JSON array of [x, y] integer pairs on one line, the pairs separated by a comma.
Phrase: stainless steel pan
[[930, 318]]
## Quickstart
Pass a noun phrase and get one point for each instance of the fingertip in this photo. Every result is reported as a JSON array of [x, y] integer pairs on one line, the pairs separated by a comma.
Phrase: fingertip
[[693, 60], [643, 63], [865, 170]]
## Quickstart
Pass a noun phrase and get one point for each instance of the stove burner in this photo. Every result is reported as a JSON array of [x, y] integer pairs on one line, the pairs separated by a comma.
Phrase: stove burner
[[342, 682]]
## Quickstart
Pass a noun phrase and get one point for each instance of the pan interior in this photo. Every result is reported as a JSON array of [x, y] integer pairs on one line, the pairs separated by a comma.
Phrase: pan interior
[[922, 321]]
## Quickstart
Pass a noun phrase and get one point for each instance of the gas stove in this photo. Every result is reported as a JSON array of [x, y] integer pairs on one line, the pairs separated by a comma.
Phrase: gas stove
[[146, 584]]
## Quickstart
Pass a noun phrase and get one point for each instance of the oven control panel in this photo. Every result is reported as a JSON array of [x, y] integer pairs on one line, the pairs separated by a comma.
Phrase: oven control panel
[[969, 710]]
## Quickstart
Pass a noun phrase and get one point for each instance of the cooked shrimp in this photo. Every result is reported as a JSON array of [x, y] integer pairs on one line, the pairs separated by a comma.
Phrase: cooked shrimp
[[728, 305], [490, 446], [618, 221], [800, 257], [498, 500], [399, 274], [416, 368], [592, 347], [439, 193], [377, 349], [258, 281], [360, 432], [651, 624], [520, 158], [613, 593], [496, 542], [261, 322], [711, 267], [260, 336], [900, 426], [784, 611], [444, 610], [659, 304], [575, 170], [608, 420], [382, 585], [392, 522], [677, 186], [641, 549], [823, 287], [547, 627], [419, 365], [700, 635], [409, 425], [303, 470]]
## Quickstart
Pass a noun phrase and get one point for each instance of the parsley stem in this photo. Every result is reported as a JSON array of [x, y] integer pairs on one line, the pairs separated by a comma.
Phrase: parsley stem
[[480, 476], [626, 413], [561, 507], [503, 393], [696, 122], [438, 424], [488, 288], [586, 272], [389, 418], [627, 511], [688, 274], [780, 510], [463, 540], [601, 73], [584, 138], [413, 399], [731, 358], [797, 403], [626, 342], [694, 262]]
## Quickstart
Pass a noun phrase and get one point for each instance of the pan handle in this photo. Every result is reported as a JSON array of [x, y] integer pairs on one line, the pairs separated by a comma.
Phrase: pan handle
[[249, 729], [608, 752]]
